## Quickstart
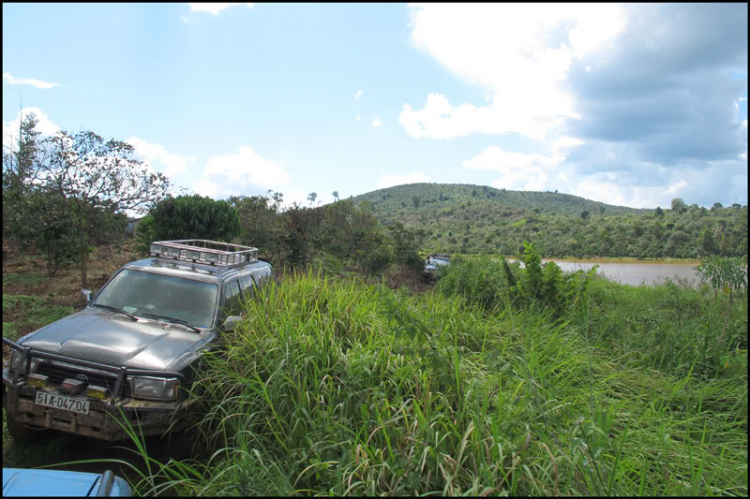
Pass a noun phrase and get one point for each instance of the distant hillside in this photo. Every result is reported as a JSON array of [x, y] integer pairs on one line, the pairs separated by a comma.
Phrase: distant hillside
[[414, 200], [480, 219]]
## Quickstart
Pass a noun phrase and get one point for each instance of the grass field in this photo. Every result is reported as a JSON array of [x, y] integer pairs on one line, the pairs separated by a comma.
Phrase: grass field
[[334, 385]]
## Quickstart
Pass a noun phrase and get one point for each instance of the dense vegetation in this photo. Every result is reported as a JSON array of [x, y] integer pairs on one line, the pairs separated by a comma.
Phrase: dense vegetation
[[339, 234], [484, 386], [480, 219], [499, 380]]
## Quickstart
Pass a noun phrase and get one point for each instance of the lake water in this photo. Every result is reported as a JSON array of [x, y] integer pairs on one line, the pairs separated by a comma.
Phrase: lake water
[[634, 273]]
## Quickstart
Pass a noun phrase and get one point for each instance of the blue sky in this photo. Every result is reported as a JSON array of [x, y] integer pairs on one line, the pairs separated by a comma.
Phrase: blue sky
[[631, 105]]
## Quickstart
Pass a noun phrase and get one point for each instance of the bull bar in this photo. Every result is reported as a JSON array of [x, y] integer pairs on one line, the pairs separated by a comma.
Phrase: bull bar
[[121, 372]]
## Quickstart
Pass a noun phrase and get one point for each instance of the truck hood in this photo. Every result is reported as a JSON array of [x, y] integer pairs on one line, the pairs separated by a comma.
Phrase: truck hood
[[113, 339]]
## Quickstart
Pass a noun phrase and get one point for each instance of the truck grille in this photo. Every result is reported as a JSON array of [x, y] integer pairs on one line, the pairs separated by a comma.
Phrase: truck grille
[[57, 373]]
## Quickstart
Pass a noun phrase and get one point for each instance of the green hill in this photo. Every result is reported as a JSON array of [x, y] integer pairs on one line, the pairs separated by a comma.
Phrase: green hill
[[480, 219], [414, 200]]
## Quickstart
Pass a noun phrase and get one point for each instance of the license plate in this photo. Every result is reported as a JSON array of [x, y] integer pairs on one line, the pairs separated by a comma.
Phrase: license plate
[[64, 403]]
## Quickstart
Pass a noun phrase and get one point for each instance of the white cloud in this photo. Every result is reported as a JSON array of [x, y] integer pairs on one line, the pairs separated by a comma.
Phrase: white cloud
[[674, 188], [606, 192], [213, 8], [521, 52], [411, 178], [358, 94], [175, 164], [612, 191], [10, 130], [357, 119], [234, 174], [518, 170], [186, 19], [376, 122], [28, 81]]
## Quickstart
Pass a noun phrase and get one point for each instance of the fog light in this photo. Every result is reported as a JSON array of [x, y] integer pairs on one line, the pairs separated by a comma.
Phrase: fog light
[[96, 392], [37, 380], [72, 386]]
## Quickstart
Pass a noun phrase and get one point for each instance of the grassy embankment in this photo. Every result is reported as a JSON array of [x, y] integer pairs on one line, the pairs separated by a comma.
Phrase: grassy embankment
[[339, 387]]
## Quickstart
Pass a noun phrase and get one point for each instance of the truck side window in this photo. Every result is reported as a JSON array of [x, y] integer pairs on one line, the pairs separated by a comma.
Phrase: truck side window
[[231, 298], [263, 276], [247, 284]]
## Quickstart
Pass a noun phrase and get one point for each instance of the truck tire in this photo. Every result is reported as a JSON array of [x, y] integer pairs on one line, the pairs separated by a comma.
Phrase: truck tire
[[22, 433]]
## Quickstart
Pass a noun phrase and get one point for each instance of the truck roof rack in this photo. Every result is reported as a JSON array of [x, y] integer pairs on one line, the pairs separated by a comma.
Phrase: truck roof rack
[[203, 251]]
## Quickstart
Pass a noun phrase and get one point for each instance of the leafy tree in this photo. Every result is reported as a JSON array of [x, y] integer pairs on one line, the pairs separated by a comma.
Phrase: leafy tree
[[678, 205], [717, 206], [707, 242], [34, 216], [97, 175], [54, 230], [335, 195], [406, 243], [585, 214], [195, 217], [144, 235], [83, 180], [659, 212], [312, 197], [299, 233], [350, 232], [261, 223], [20, 169]]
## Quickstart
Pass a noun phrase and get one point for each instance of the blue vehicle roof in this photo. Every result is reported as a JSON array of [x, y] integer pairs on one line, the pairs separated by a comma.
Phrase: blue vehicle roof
[[56, 483]]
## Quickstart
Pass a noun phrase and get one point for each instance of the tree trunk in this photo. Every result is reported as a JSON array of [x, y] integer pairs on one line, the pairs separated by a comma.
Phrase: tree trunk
[[84, 269], [84, 258]]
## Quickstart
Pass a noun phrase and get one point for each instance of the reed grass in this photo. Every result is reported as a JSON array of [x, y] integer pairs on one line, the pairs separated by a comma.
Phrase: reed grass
[[336, 387]]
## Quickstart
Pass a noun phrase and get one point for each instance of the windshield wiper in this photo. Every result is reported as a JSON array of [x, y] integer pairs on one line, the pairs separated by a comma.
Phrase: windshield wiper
[[115, 309], [173, 320]]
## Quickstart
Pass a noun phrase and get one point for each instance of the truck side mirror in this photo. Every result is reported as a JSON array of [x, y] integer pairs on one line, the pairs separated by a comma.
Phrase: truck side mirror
[[87, 294], [231, 323]]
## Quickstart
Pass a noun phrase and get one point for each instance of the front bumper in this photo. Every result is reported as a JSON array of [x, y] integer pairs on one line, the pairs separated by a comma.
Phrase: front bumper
[[153, 418]]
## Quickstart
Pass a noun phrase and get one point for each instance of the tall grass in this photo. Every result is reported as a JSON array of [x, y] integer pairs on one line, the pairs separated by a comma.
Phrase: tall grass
[[332, 386]]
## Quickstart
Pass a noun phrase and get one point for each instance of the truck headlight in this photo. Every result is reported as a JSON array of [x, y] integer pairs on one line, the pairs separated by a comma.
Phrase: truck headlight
[[153, 388], [15, 361]]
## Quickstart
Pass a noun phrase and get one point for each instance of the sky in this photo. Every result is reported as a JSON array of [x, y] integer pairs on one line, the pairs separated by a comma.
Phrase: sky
[[632, 105]]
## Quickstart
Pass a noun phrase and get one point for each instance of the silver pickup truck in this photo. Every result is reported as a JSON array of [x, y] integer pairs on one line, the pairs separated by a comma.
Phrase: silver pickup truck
[[135, 348]]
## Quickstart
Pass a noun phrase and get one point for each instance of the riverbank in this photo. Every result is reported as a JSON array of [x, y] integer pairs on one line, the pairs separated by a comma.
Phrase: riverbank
[[626, 260]]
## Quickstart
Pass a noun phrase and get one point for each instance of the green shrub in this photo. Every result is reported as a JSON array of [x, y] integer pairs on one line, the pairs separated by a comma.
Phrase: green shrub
[[195, 217]]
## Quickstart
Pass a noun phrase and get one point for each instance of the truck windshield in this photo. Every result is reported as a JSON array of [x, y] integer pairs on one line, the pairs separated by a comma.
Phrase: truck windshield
[[147, 294]]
